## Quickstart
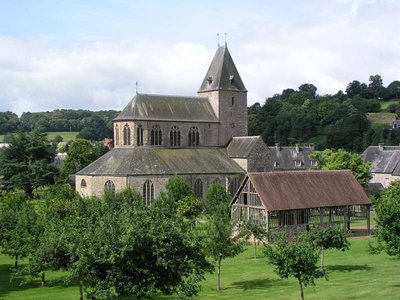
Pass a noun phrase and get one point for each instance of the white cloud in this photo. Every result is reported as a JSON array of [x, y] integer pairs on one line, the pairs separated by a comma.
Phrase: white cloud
[[330, 52]]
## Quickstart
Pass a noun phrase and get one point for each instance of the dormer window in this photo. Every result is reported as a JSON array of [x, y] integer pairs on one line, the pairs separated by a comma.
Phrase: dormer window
[[275, 164], [209, 79], [314, 163], [231, 78], [297, 163]]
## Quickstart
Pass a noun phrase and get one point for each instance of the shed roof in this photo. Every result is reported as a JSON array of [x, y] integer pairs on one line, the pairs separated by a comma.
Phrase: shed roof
[[162, 161], [240, 147], [383, 160], [222, 74], [168, 108], [308, 189]]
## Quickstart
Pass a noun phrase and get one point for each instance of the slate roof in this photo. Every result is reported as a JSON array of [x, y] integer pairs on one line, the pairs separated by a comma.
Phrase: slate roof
[[240, 147], [308, 189], [222, 74], [383, 161], [286, 157], [168, 108], [162, 161]]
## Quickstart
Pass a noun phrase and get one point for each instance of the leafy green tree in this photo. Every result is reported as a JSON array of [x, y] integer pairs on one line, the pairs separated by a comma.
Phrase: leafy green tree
[[309, 88], [178, 188], [295, 257], [387, 229], [393, 90], [80, 154], [190, 208], [255, 231], [221, 241], [19, 226], [353, 89], [330, 237], [344, 160], [28, 162]]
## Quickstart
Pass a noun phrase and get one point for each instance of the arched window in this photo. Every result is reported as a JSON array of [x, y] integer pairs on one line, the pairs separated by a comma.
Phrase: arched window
[[148, 192], [109, 186], [234, 185], [194, 137], [117, 134], [139, 135], [127, 135], [175, 136], [156, 135], [198, 188], [83, 183]]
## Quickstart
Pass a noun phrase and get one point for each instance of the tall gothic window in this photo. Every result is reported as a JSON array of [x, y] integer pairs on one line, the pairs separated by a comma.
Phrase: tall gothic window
[[109, 186], [127, 135], [139, 135], [148, 192], [117, 134], [194, 137], [156, 135], [234, 185], [175, 136], [83, 183], [198, 188]]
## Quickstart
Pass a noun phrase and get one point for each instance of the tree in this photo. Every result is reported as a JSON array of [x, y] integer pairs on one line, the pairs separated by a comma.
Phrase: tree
[[330, 237], [28, 162], [393, 90], [255, 231], [309, 88], [178, 188], [387, 227], [221, 242], [353, 89], [19, 226], [344, 160], [295, 257], [80, 154]]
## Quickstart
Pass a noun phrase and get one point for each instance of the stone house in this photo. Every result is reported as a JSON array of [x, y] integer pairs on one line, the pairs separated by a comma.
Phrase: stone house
[[385, 164]]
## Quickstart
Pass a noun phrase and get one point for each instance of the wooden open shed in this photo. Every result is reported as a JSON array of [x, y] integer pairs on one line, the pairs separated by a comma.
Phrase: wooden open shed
[[294, 200]]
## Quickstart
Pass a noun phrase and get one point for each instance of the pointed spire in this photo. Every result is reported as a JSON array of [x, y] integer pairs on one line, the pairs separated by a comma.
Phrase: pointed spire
[[222, 73]]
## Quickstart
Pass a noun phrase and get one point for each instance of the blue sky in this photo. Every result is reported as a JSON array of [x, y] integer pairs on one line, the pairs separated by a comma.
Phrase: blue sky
[[88, 54]]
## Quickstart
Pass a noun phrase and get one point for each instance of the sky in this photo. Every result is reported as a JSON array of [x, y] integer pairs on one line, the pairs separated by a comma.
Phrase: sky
[[89, 54]]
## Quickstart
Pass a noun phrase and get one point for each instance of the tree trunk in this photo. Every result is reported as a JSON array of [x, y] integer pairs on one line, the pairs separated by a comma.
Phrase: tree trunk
[[16, 261], [322, 258], [219, 273], [43, 278], [301, 289], [255, 246], [81, 291]]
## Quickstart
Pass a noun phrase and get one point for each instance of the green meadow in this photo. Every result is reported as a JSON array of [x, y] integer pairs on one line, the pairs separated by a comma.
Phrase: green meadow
[[353, 274]]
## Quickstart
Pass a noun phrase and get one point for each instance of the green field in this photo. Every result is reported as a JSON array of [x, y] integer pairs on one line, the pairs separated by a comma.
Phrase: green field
[[67, 136], [385, 104], [353, 274], [381, 118]]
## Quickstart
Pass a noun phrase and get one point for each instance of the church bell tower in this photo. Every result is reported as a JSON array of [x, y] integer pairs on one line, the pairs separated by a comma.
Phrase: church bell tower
[[227, 94]]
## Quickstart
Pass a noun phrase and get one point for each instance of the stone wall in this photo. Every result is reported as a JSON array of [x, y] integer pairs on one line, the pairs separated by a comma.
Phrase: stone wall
[[383, 178]]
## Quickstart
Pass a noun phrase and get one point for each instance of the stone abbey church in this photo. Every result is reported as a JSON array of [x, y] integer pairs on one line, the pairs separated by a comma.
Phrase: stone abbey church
[[203, 139]]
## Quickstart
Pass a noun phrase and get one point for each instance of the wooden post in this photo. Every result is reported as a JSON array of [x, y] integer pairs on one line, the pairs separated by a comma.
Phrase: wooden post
[[368, 219], [321, 215]]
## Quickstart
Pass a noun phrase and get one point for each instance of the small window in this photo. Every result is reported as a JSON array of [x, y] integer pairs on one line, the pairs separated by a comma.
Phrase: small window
[[297, 163], [175, 136], [260, 169], [156, 135], [198, 189], [139, 135], [275, 164], [127, 135], [314, 163], [233, 100], [83, 183], [148, 192], [109, 186]]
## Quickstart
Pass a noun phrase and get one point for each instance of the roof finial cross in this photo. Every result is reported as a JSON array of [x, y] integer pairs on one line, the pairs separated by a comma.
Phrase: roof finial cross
[[218, 39], [137, 87], [225, 38]]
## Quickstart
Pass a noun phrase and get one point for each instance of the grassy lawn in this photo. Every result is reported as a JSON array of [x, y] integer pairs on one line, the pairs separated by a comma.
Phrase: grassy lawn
[[1, 138], [67, 136], [381, 118], [385, 104], [353, 274]]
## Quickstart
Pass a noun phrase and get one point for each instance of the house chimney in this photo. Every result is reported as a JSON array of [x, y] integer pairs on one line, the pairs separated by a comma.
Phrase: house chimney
[[297, 148], [277, 147], [311, 146], [381, 147]]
